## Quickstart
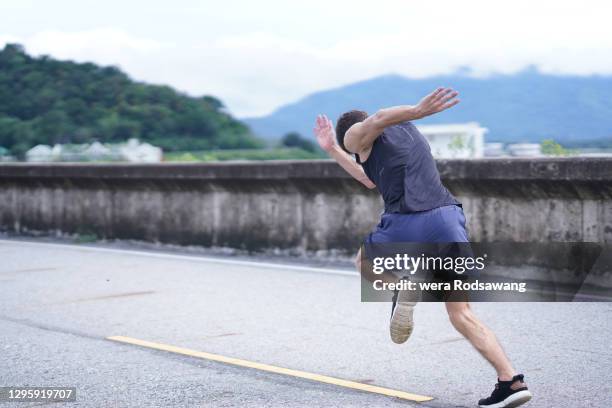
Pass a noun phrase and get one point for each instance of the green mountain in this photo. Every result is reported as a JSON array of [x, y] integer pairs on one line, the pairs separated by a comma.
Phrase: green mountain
[[527, 106], [43, 100]]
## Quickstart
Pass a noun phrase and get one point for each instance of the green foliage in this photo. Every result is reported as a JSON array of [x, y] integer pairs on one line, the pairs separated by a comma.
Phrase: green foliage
[[43, 100], [457, 143], [551, 148], [294, 139], [244, 154]]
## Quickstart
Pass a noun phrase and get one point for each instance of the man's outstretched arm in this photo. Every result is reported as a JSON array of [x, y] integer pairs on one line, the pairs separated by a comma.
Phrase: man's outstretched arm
[[360, 137], [325, 134]]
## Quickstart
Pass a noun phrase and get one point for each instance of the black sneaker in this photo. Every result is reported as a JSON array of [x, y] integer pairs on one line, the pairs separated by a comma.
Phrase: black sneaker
[[402, 323], [507, 394]]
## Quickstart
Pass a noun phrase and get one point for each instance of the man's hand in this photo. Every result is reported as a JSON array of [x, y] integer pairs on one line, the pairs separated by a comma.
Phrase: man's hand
[[325, 133], [437, 101], [326, 136]]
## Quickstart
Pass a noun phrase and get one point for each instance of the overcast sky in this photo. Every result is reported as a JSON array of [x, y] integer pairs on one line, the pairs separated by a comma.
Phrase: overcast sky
[[258, 55]]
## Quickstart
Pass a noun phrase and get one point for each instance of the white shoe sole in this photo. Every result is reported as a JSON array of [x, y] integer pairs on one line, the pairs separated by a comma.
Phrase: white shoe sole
[[402, 322], [512, 401]]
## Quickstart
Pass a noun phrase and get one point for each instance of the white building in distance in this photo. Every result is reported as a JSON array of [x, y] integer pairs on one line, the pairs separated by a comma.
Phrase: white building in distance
[[494, 150], [455, 140], [131, 151], [525, 149], [40, 153], [136, 152]]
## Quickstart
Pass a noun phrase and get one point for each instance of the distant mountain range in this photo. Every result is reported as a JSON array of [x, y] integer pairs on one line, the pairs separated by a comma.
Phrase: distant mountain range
[[525, 107]]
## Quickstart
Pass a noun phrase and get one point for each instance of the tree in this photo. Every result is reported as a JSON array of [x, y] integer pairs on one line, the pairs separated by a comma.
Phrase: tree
[[551, 148], [294, 139], [213, 102], [43, 100]]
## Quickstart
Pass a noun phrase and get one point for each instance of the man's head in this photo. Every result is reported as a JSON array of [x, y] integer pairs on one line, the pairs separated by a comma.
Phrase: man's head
[[345, 121]]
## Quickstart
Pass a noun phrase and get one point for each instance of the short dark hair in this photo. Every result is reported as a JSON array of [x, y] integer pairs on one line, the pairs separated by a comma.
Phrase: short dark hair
[[345, 121]]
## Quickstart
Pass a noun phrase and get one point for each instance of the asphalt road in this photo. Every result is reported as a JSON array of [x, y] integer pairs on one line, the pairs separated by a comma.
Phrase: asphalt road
[[59, 304]]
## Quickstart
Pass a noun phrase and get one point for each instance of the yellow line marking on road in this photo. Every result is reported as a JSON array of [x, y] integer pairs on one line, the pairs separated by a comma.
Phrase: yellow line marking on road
[[273, 369]]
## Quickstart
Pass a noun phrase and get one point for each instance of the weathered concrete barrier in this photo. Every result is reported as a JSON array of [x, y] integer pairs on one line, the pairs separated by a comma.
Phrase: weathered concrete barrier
[[309, 205]]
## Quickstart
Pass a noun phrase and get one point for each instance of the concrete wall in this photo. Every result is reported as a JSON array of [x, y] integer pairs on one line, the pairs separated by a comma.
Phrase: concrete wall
[[308, 205]]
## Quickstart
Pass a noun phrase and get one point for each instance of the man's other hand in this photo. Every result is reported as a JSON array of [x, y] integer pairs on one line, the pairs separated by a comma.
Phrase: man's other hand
[[325, 133], [437, 101]]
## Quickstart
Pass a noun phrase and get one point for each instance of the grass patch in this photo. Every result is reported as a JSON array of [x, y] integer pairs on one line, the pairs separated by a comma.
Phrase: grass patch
[[284, 153]]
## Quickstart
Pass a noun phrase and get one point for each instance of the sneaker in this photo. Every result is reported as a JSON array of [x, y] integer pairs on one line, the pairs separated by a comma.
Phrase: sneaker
[[507, 394], [402, 324]]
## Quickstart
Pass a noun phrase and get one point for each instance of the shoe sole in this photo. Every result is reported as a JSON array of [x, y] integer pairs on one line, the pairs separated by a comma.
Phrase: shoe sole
[[402, 323], [512, 401]]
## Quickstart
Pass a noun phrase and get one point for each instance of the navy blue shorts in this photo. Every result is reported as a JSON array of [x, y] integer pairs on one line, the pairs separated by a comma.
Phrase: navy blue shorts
[[443, 224], [438, 232]]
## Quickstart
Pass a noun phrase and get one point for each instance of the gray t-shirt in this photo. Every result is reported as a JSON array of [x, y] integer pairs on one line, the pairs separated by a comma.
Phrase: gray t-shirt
[[404, 171]]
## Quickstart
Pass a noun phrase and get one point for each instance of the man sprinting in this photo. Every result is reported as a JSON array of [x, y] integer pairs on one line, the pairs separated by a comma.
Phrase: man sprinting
[[393, 156]]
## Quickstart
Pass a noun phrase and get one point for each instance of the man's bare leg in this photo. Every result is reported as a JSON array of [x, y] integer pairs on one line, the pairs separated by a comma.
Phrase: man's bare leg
[[481, 337], [511, 390]]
